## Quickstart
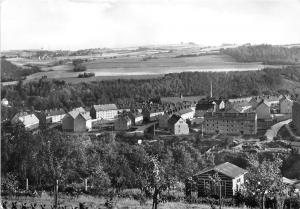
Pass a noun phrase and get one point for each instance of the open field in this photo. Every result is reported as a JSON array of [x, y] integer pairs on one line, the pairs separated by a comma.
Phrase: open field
[[136, 67], [99, 203]]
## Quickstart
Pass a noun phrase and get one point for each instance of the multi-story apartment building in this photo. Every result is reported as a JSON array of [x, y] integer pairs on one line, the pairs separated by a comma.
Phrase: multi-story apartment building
[[105, 111], [230, 123]]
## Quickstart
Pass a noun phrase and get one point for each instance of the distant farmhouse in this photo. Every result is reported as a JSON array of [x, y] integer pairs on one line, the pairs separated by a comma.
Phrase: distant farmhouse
[[230, 123], [77, 120], [232, 180], [177, 125], [30, 121], [105, 111]]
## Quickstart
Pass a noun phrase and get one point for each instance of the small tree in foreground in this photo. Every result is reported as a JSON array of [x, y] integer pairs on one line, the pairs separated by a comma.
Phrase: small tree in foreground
[[264, 179]]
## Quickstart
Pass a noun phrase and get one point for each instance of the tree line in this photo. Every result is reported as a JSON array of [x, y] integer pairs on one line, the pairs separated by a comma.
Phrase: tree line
[[267, 54]]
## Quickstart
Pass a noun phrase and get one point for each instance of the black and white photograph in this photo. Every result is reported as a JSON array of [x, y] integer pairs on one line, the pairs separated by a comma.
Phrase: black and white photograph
[[150, 104]]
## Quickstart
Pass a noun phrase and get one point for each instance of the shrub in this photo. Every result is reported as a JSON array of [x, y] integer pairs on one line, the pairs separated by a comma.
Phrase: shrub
[[9, 184]]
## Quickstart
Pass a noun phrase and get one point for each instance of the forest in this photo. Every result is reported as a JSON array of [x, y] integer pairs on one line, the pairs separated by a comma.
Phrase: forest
[[116, 163], [45, 93], [267, 54], [11, 72]]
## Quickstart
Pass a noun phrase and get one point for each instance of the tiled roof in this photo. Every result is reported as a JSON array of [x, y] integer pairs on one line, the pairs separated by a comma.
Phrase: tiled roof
[[184, 111], [227, 169], [75, 112], [105, 107], [174, 119]]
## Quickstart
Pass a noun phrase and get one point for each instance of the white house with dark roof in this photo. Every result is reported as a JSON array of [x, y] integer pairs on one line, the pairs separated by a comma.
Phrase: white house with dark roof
[[232, 180], [104, 111], [77, 121], [285, 105], [30, 121], [177, 125]]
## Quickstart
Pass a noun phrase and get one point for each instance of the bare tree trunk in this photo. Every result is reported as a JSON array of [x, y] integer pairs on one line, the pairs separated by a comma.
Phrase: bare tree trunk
[[155, 199]]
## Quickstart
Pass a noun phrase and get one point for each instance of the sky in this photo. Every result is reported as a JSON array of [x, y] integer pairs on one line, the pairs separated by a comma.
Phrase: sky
[[79, 24]]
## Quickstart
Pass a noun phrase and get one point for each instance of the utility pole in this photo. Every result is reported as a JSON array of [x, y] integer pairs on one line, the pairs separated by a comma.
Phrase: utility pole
[[210, 88], [56, 195], [85, 185], [27, 185], [202, 129]]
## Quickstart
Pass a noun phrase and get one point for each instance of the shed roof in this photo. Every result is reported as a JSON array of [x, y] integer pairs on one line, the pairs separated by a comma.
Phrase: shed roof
[[227, 169]]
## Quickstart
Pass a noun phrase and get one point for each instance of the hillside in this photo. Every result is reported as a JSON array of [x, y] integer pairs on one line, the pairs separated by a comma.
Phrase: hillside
[[267, 54], [11, 72], [48, 93]]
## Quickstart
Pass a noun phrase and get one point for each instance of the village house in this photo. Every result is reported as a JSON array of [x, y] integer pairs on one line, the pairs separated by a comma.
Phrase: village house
[[230, 123], [271, 100], [163, 120], [204, 106], [193, 100], [296, 116], [77, 121], [123, 123], [285, 105], [4, 102], [186, 113], [263, 110], [55, 115], [136, 118], [152, 113], [30, 121], [105, 111], [232, 180], [177, 125], [240, 99]]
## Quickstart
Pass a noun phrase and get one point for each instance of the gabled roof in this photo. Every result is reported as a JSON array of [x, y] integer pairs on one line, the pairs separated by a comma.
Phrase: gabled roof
[[105, 107], [75, 112], [26, 119], [86, 115], [228, 169], [174, 119]]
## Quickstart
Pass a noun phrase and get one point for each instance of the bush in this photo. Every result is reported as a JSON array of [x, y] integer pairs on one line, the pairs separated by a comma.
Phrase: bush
[[292, 202], [9, 184]]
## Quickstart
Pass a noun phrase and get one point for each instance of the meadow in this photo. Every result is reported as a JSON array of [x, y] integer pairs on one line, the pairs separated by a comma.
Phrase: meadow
[[135, 67], [93, 202]]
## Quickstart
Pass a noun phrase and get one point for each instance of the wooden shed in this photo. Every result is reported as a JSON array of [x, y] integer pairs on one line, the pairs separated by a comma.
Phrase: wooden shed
[[232, 179]]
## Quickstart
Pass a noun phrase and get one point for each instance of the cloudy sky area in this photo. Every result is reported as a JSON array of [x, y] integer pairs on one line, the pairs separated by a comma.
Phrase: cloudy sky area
[[77, 24]]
